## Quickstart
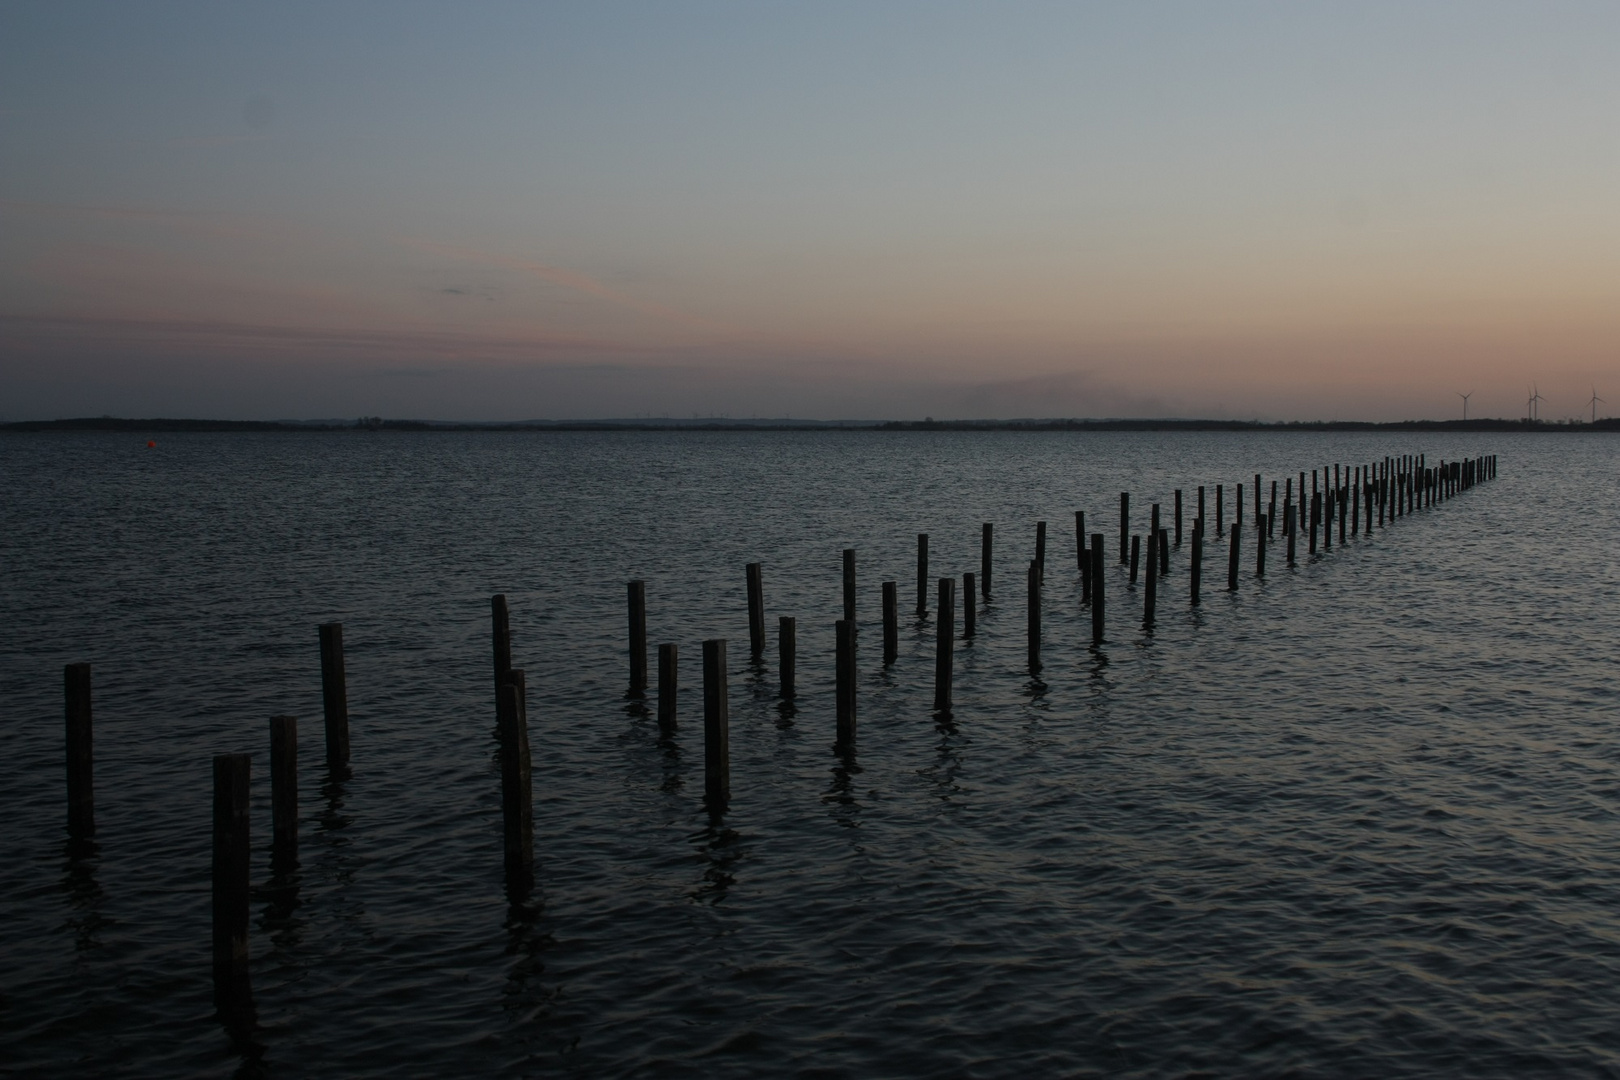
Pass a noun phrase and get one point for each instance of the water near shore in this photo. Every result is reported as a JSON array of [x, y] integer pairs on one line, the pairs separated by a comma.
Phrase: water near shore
[[1362, 819]]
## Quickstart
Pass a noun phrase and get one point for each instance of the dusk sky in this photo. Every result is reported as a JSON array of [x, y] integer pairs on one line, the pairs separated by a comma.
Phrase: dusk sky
[[836, 210]]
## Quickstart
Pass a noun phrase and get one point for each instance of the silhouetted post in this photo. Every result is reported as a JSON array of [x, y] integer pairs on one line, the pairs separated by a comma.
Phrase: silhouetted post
[[233, 857], [756, 612], [787, 650], [1232, 561], [716, 726], [844, 684], [984, 561], [500, 638], [669, 683], [1164, 553], [1260, 548], [284, 788], [1082, 563], [1271, 514], [849, 584], [1290, 530], [922, 575], [1040, 547], [1327, 515], [1355, 499], [1201, 517], [517, 794], [1237, 508], [945, 646], [1124, 523], [1034, 617], [1316, 514], [1178, 517], [1339, 501], [80, 759], [1196, 576], [1153, 519], [1136, 556], [334, 696], [1150, 600], [891, 622], [637, 591], [1370, 485], [1220, 509], [970, 610], [1096, 587]]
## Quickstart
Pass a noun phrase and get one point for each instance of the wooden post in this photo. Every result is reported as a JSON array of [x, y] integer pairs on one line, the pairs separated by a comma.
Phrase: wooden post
[[1339, 501], [891, 622], [756, 611], [1232, 561], [669, 684], [1178, 517], [922, 575], [80, 759], [517, 795], [1355, 498], [945, 646], [1260, 547], [1164, 554], [1327, 515], [1034, 617], [1258, 509], [716, 726], [638, 638], [1220, 509], [970, 610], [284, 789], [1290, 531], [1040, 547], [849, 584], [984, 562], [334, 696], [500, 637], [1151, 599], [1196, 576], [1136, 555], [787, 649], [1201, 517], [233, 860], [1237, 508], [1271, 514], [1096, 588], [1124, 523], [844, 683], [1081, 562]]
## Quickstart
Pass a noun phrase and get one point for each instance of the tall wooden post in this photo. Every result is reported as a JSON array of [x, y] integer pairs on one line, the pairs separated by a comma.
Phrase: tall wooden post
[[80, 758], [844, 683], [922, 575], [716, 726], [756, 611], [1096, 588], [1178, 517], [500, 626], [945, 646], [284, 790], [1040, 547], [517, 793], [1196, 574], [849, 584], [1136, 556], [1232, 560], [1124, 523], [1220, 509], [669, 684], [637, 591], [334, 696], [1082, 561], [233, 860], [1034, 617], [1151, 599], [891, 622], [984, 561], [1260, 547], [970, 610], [787, 648]]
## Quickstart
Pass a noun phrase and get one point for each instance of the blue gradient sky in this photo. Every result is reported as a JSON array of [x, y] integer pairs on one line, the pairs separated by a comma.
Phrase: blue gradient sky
[[831, 209]]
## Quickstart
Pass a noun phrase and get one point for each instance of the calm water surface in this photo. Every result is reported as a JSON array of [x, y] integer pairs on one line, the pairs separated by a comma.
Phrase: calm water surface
[[1361, 819]]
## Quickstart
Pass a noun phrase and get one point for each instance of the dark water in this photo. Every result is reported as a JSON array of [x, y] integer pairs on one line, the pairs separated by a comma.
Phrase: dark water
[[1360, 820]]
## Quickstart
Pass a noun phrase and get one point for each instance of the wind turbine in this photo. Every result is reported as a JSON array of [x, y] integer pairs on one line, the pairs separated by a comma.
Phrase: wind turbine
[[1465, 398], [1535, 397], [1594, 404]]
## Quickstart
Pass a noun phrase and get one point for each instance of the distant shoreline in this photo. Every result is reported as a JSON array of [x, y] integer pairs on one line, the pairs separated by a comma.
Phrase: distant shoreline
[[373, 424]]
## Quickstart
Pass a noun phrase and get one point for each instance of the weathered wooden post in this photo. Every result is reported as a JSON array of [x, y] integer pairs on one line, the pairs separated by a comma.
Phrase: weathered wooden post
[[891, 622], [716, 726], [1258, 509], [844, 684], [1290, 531], [1150, 599], [1097, 588], [1136, 556], [1260, 547], [1164, 553], [1034, 617], [1196, 576], [1237, 508], [1315, 513], [81, 795], [500, 637], [1327, 514], [849, 584], [638, 637], [1040, 547], [233, 860], [1124, 522], [1339, 501], [1178, 517], [984, 561], [970, 609], [1220, 509], [756, 612], [334, 696], [517, 794], [1081, 562], [1355, 498], [787, 648], [1271, 514], [945, 646], [1232, 561], [922, 575], [284, 790], [1201, 517], [669, 682]]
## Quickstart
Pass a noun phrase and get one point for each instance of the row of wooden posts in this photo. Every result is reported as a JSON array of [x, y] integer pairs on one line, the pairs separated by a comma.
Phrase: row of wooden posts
[[1394, 487]]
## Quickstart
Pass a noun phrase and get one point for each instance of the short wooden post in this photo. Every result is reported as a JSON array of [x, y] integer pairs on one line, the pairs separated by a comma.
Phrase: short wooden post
[[1124, 523], [284, 789], [844, 683], [716, 726], [80, 758], [517, 795], [638, 637], [233, 860], [756, 611], [970, 610], [984, 561], [669, 684], [1232, 561], [849, 584], [500, 625], [945, 646], [1178, 517], [1082, 563], [922, 575], [1040, 547], [1096, 588], [1196, 575], [1034, 617], [1136, 556], [1151, 599], [787, 650], [891, 622], [334, 696]]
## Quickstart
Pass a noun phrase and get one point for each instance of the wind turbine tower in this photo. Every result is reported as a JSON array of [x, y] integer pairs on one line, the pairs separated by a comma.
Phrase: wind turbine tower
[[1465, 398], [1594, 404]]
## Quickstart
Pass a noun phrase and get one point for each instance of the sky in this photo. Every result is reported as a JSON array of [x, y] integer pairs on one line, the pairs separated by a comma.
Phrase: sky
[[862, 210]]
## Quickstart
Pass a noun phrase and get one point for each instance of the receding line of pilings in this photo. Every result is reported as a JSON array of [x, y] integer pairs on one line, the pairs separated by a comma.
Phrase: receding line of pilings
[[1358, 496]]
